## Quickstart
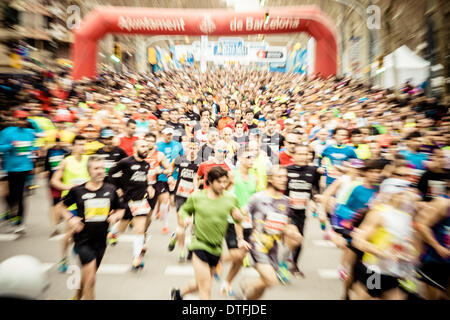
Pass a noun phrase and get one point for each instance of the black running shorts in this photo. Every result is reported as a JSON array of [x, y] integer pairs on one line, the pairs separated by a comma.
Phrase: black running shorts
[[90, 251], [231, 239], [207, 257], [369, 279]]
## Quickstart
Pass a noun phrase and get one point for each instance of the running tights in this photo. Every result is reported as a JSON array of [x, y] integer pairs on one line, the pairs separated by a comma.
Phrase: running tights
[[16, 183]]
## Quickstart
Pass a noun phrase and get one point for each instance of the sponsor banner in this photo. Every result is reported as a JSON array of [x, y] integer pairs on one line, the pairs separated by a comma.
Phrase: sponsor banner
[[234, 49]]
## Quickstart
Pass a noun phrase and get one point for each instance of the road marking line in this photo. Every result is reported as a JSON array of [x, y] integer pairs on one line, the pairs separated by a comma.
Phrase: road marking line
[[179, 271], [328, 273], [114, 268], [104, 268], [121, 238], [189, 271], [8, 237], [324, 243]]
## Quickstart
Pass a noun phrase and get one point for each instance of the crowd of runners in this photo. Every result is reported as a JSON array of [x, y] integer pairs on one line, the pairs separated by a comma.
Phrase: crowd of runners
[[242, 158]]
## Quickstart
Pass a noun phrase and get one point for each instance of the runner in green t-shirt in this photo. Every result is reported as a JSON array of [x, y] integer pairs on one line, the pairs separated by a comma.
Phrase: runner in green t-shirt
[[210, 208]]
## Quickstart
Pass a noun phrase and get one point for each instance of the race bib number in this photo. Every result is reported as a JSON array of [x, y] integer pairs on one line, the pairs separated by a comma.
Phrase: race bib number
[[139, 208], [436, 188], [23, 148], [185, 188], [96, 210], [275, 222], [298, 200], [152, 176]]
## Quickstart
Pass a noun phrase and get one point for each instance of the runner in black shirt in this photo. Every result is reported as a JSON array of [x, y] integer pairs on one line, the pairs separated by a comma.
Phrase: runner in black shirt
[[176, 125], [249, 117], [98, 205], [239, 136], [272, 138], [302, 180], [54, 156], [190, 114], [134, 183], [186, 168], [109, 153], [433, 183]]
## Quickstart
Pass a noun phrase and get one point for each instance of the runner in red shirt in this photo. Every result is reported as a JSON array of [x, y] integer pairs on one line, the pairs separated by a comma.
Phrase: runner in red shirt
[[220, 151], [126, 142], [287, 156]]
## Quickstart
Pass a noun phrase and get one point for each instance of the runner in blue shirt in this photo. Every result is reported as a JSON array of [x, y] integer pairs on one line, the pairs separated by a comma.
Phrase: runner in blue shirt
[[336, 154], [165, 186], [16, 149]]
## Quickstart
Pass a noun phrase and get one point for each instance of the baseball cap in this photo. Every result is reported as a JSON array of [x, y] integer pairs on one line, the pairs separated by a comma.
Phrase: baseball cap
[[106, 133], [168, 130]]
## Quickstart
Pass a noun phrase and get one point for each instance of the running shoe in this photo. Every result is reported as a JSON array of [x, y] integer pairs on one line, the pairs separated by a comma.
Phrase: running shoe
[[112, 239], [182, 256], [63, 265], [217, 272], [138, 263], [226, 289], [283, 273], [165, 230], [343, 274], [5, 215], [19, 229], [175, 294], [15, 221], [173, 241]]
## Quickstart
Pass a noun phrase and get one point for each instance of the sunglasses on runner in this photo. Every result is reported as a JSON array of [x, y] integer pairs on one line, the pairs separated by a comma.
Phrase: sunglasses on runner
[[222, 151]]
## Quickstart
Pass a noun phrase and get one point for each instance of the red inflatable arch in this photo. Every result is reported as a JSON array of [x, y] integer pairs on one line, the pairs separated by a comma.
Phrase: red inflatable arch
[[196, 22]]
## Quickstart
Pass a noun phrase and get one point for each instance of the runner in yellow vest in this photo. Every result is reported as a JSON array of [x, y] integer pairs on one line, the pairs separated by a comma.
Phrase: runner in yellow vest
[[71, 172]]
